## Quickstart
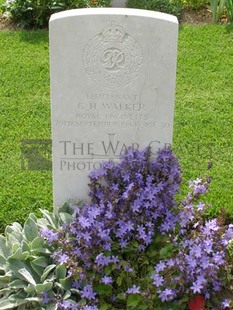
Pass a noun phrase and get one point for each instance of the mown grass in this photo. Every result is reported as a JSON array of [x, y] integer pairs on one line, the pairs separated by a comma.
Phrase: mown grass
[[25, 114], [203, 115], [203, 131]]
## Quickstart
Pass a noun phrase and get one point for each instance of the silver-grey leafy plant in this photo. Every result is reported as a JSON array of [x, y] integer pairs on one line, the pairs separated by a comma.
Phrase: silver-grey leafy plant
[[27, 269]]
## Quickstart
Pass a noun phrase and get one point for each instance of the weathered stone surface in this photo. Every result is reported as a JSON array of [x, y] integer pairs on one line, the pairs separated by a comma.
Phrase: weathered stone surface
[[112, 86]]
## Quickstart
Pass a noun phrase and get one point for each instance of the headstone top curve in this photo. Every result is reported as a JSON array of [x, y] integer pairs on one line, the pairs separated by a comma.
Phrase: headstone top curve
[[114, 11]]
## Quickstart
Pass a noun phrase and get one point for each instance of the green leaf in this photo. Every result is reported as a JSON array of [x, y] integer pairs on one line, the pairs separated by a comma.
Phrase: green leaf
[[108, 270], [30, 289], [5, 291], [25, 256], [37, 243], [103, 289], [120, 278], [15, 229], [33, 299], [41, 261], [153, 253], [33, 217], [2, 260], [18, 284], [15, 265], [121, 296], [17, 253], [47, 271], [67, 294], [7, 304], [13, 234], [4, 280], [30, 229], [25, 246], [104, 307], [61, 271], [15, 247], [27, 276], [145, 307], [40, 250], [133, 300], [38, 269], [4, 249], [66, 208], [66, 218], [166, 251], [45, 287], [51, 307], [15, 301], [134, 243], [50, 218], [66, 283]]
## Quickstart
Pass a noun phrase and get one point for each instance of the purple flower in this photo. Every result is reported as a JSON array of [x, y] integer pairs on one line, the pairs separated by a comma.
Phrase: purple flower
[[114, 259], [93, 212], [85, 222], [208, 244], [45, 298], [88, 293], [102, 260], [158, 280], [196, 287], [50, 235], [62, 258], [197, 251], [218, 258], [106, 280], [160, 266], [128, 269], [167, 294], [200, 207], [123, 243], [90, 308], [228, 236], [133, 290], [86, 236], [210, 227], [104, 234], [66, 304], [192, 262], [226, 303], [136, 207], [201, 279]]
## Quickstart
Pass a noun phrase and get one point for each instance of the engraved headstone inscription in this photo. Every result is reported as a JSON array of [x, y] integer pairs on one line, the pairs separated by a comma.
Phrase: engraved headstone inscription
[[112, 87]]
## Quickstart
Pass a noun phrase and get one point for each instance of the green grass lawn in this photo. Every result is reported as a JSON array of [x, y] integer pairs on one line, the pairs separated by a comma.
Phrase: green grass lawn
[[203, 128]]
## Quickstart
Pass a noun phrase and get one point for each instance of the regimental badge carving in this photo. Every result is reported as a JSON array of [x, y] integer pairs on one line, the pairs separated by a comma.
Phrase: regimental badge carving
[[113, 58]]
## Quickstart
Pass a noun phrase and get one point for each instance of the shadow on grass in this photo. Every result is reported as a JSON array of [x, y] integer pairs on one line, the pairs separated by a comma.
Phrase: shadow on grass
[[229, 28], [34, 36]]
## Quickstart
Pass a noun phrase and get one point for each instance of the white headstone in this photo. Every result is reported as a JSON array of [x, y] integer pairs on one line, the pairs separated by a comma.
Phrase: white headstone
[[112, 86]]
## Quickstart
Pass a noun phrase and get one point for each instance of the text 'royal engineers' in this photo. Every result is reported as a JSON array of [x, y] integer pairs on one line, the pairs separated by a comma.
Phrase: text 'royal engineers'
[[112, 87]]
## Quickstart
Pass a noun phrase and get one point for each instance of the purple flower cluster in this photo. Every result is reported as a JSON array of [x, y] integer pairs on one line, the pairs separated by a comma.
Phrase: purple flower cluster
[[132, 217], [129, 201], [200, 254]]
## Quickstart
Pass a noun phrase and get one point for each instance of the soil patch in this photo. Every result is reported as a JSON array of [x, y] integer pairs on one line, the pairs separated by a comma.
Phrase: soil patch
[[7, 24], [201, 16]]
